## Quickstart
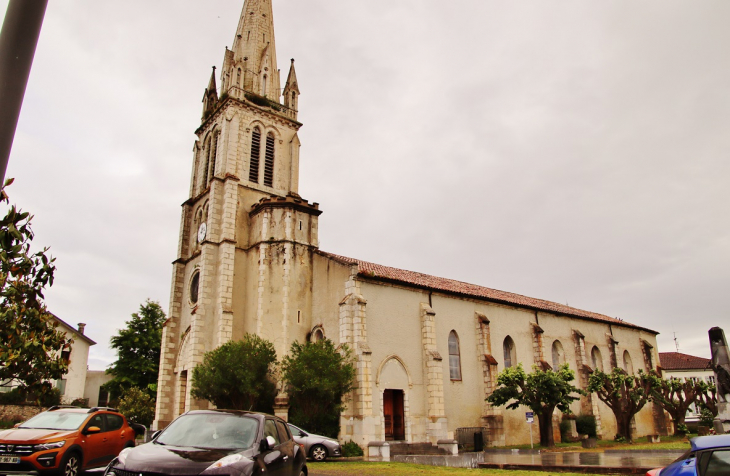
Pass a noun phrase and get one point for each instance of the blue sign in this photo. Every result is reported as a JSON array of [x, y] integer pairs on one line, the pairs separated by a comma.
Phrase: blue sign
[[530, 417]]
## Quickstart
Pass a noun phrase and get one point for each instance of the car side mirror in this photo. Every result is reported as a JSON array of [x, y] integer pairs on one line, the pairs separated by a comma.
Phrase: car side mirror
[[267, 443], [92, 429]]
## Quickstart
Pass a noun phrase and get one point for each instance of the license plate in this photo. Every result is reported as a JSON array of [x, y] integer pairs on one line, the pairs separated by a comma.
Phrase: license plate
[[10, 459]]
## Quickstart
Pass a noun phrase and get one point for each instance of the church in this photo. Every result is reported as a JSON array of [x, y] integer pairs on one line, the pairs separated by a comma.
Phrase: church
[[428, 349]]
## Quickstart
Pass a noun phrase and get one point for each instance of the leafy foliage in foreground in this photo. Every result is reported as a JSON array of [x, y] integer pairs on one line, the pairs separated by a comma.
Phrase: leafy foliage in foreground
[[318, 377], [30, 342], [541, 390], [238, 375]]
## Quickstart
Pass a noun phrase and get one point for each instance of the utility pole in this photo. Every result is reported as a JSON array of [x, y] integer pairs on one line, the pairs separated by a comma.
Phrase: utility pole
[[18, 40]]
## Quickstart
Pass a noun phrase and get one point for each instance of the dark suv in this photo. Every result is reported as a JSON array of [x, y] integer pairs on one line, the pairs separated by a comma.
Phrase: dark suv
[[216, 442], [65, 441]]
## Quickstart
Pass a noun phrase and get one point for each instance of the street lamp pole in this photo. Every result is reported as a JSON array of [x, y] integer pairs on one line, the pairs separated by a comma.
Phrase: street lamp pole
[[18, 40]]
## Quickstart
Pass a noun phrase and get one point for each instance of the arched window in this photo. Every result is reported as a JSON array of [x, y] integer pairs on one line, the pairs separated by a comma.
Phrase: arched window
[[454, 357], [263, 87], [510, 357], [238, 78], [213, 151], [558, 355], [269, 161], [628, 364], [253, 171], [597, 359], [317, 334], [194, 285]]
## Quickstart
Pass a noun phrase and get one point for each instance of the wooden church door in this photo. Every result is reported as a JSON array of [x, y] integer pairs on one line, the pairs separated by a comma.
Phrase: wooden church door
[[395, 428]]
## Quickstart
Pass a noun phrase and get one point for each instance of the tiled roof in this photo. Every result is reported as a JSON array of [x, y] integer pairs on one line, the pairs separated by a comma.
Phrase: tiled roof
[[425, 281], [679, 361]]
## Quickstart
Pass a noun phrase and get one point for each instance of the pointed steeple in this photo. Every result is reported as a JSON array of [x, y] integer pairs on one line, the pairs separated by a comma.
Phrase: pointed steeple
[[250, 65], [210, 98], [291, 90]]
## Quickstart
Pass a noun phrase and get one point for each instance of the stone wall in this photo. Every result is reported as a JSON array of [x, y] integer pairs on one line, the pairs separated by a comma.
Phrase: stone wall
[[18, 413]]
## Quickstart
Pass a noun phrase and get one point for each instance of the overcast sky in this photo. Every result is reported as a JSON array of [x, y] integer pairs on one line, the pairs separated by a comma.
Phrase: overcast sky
[[566, 150]]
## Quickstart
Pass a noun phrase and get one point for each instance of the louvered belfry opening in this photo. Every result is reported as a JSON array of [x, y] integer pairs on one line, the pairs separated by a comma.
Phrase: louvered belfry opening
[[253, 172], [269, 164], [213, 154]]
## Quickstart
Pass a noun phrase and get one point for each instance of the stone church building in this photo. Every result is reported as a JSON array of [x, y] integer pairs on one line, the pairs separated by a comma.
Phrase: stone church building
[[428, 349]]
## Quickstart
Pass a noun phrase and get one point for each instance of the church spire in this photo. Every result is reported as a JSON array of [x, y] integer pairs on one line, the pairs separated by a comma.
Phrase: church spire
[[210, 98], [291, 90], [250, 65]]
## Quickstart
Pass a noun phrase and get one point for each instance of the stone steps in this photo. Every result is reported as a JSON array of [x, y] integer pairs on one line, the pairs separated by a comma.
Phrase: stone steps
[[402, 448]]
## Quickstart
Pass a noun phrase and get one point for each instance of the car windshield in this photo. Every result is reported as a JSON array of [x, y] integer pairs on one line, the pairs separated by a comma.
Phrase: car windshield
[[206, 430], [56, 421]]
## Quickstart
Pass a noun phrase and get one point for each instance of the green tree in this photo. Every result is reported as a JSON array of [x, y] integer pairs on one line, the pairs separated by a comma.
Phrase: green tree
[[238, 375], [624, 394], [542, 391], [30, 342], [318, 376], [137, 405], [138, 352], [675, 396]]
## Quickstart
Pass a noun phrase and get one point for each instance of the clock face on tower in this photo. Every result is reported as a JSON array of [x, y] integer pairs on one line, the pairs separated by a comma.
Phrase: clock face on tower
[[201, 232]]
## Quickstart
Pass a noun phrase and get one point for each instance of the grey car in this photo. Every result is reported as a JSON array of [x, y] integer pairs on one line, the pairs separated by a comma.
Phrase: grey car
[[317, 447]]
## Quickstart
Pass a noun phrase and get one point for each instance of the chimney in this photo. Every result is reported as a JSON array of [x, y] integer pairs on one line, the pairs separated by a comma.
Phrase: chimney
[[81, 328]]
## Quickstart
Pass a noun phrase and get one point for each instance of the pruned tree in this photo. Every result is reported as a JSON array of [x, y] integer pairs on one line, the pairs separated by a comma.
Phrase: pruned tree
[[318, 376], [708, 399], [541, 390], [675, 396], [239, 375], [624, 394], [30, 341], [138, 352]]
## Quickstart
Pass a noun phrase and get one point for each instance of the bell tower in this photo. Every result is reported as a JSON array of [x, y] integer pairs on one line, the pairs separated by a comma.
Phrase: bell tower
[[246, 243]]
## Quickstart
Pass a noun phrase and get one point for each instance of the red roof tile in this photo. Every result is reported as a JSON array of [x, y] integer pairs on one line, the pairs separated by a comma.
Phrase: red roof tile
[[679, 361], [420, 280]]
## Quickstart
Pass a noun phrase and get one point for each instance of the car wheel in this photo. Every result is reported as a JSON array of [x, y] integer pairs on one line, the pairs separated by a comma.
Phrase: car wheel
[[71, 465], [318, 453]]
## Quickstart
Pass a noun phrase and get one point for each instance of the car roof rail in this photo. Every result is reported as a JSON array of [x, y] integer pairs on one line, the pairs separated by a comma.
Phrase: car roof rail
[[56, 407], [96, 409]]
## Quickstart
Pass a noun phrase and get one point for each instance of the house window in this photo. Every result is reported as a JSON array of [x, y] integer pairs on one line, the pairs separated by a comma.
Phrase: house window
[[269, 161], [317, 334], [597, 359], [253, 171], [454, 357], [558, 355], [510, 357], [61, 385]]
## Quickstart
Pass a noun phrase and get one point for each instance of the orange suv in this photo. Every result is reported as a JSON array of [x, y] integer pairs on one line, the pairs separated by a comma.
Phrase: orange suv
[[64, 441]]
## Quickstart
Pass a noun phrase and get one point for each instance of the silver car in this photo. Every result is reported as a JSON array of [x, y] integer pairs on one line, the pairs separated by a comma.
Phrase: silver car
[[317, 447]]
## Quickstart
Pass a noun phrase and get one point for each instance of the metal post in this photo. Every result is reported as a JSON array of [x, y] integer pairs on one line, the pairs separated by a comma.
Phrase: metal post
[[531, 447], [18, 40]]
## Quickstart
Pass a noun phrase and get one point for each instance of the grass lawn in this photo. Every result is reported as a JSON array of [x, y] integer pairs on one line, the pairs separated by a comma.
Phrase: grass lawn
[[668, 443], [403, 469]]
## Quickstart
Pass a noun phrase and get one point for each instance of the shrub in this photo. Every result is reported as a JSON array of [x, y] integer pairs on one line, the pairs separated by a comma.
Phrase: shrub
[[565, 431], [80, 402], [49, 398], [682, 429], [706, 417], [137, 406], [350, 449], [586, 425], [13, 397]]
